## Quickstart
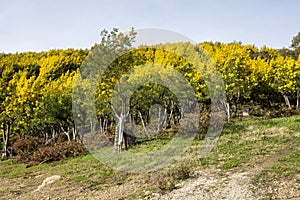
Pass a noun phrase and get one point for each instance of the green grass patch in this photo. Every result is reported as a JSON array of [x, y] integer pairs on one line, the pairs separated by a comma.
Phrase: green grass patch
[[245, 142], [80, 178], [149, 145], [288, 165], [10, 169], [85, 170]]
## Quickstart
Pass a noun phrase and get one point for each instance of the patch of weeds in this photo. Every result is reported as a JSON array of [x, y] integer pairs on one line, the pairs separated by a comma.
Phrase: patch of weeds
[[166, 184], [234, 162], [181, 173], [10, 169], [169, 178], [80, 178], [264, 176], [233, 128], [246, 141], [149, 145], [141, 193], [283, 170], [95, 185], [205, 161], [288, 165]]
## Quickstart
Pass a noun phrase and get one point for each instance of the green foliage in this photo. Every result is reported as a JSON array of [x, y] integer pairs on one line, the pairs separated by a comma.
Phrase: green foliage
[[29, 85], [296, 41], [294, 50]]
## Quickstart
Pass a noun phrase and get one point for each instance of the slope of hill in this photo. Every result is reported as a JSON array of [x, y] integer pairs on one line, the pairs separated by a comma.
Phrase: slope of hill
[[253, 159]]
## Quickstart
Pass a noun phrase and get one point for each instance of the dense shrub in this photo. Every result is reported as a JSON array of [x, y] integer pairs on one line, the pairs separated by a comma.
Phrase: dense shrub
[[282, 112], [24, 147], [33, 150], [58, 151], [257, 110]]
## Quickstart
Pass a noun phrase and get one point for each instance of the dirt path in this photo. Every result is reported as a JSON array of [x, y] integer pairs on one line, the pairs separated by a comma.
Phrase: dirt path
[[212, 184], [207, 185]]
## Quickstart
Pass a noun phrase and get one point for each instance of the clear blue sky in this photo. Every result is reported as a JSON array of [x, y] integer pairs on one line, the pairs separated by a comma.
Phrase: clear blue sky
[[38, 25]]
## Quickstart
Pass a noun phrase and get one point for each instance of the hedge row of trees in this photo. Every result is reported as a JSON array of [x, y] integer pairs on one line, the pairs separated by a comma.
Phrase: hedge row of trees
[[251, 75], [36, 88], [35, 93]]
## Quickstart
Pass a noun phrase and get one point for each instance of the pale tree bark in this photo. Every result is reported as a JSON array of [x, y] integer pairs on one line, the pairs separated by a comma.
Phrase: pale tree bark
[[119, 131], [66, 133], [287, 101], [171, 113], [101, 126], [161, 118], [74, 131], [53, 138], [143, 123], [46, 137], [228, 111], [6, 138], [119, 134]]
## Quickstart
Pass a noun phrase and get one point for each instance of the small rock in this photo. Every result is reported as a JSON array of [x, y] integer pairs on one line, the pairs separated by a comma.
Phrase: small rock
[[156, 194], [48, 181]]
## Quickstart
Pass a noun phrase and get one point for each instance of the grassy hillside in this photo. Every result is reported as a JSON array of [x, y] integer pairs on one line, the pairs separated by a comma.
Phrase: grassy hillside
[[268, 150]]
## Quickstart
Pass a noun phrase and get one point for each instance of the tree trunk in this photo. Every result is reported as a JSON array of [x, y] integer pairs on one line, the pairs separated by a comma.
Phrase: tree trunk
[[287, 101], [143, 123], [101, 126], [119, 135], [161, 118], [53, 133], [228, 111], [169, 117], [6, 138], [46, 137], [119, 130], [66, 133], [74, 133]]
